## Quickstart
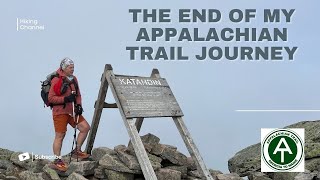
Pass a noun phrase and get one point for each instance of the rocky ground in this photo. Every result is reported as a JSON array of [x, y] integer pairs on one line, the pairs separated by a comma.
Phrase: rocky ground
[[119, 163]]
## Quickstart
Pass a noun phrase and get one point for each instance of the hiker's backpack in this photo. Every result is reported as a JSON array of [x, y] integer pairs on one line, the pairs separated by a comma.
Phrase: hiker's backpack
[[45, 88], [46, 85]]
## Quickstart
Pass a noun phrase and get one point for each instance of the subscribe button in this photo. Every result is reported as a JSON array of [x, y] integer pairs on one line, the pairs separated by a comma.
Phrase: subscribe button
[[24, 156]]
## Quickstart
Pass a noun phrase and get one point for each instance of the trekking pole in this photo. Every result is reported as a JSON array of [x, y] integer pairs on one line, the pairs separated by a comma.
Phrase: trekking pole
[[75, 129], [75, 132]]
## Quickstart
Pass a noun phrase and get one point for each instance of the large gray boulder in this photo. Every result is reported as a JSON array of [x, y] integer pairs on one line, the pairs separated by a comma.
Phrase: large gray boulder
[[247, 160]]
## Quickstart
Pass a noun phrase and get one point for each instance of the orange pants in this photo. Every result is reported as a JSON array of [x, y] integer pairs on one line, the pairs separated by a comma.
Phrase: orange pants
[[62, 120]]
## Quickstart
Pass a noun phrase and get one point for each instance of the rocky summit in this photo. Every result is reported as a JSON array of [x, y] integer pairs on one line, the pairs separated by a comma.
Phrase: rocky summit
[[119, 163]]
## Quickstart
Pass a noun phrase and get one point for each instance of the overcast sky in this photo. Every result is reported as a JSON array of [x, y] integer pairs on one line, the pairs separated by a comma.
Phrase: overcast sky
[[96, 33]]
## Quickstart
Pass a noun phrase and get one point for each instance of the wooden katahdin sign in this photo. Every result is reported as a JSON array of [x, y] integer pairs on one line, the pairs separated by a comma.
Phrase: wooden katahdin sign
[[138, 98], [145, 97]]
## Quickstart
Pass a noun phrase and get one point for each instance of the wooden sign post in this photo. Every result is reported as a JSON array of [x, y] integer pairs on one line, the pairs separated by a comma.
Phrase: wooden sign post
[[142, 97]]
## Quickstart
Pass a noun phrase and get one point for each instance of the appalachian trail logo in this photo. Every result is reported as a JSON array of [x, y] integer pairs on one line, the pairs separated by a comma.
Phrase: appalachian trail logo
[[282, 150]]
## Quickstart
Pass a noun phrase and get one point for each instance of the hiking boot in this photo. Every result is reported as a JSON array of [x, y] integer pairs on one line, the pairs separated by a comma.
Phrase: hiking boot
[[58, 164], [78, 153]]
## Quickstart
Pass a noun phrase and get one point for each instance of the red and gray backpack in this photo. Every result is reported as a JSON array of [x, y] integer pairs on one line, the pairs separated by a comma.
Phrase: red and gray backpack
[[61, 88]]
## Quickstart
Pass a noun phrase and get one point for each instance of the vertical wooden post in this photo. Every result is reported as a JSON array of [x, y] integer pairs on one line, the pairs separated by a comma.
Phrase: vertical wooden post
[[138, 147], [192, 148], [154, 74], [98, 110]]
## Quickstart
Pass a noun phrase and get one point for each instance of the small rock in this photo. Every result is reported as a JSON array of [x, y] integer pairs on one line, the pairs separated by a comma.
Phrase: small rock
[[11, 178], [50, 173], [195, 173], [112, 162], [232, 176], [258, 176], [2, 176], [37, 165], [99, 173], [312, 164], [114, 175], [191, 164], [283, 175], [84, 168], [192, 178], [174, 156], [98, 153], [312, 150], [5, 154], [5, 164], [150, 139], [159, 149], [155, 161], [182, 169], [214, 173], [27, 175], [305, 176], [12, 170], [146, 146], [168, 174], [76, 176], [129, 160]]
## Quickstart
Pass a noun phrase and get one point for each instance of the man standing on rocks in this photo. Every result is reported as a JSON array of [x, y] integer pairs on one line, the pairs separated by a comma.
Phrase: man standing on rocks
[[65, 97]]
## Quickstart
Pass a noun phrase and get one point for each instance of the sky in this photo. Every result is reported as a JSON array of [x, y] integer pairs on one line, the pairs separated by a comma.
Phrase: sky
[[209, 92]]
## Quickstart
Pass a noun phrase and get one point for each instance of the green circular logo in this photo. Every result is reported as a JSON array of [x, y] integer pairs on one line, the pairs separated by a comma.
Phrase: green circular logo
[[282, 150]]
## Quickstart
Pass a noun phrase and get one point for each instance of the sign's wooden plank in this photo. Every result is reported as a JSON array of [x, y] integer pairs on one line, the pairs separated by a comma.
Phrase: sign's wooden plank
[[192, 148], [145, 97]]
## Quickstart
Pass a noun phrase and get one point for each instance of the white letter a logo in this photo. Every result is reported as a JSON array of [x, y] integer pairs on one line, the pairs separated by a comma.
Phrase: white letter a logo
[[282, 150]]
